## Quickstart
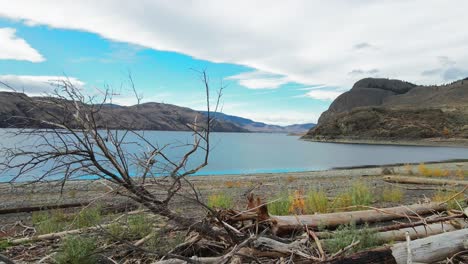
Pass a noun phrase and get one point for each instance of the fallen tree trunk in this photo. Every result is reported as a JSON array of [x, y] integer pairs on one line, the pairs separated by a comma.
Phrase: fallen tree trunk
[[417, 232], [418, 223], [426, 250], [420, 180], [288, 224], [40, 208], [52, 236], [115, 208]]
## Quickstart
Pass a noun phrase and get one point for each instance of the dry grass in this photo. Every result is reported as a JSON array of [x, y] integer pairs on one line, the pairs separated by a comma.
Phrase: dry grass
[[220, 201], [317, 202], [409, 169], [394, 195], [291, 179], [455, 203], [232, 184]]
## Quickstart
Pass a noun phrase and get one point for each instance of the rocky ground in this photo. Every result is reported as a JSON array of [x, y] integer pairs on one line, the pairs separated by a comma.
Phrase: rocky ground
[[267, 186]]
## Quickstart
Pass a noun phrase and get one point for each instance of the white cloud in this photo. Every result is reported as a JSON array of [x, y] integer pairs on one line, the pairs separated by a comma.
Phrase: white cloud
[[306, 41], [259, 80], [34, 85], [325, 95], [279, 118], [15, 48]]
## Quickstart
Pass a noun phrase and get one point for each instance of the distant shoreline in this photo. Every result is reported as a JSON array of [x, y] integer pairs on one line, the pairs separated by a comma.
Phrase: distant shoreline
[[432, 142]]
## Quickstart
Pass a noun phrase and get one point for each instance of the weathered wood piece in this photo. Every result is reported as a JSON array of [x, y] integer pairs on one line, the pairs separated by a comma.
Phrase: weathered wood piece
[[421, 180], [426, 250], [288, 224]]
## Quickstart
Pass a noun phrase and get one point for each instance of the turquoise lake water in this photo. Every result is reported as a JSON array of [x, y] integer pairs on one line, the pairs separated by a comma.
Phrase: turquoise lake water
[[243, 153]]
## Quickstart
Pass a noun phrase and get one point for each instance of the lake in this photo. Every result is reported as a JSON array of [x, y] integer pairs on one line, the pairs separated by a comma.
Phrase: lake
[[243, 153]]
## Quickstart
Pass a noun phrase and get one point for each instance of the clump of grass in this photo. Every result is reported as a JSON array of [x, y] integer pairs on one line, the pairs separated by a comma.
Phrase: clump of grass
[[317, 202], [342, 200], [49, 222], [360, 194], [4, 244], [77, 250], [164, 244], [220, 201], [117, 231], [56, 220], [89, 216], [347, 234], [455, 203], [409, 169], [393, 195], [460, 174], [281, 204], [139, 226], [135, 227]]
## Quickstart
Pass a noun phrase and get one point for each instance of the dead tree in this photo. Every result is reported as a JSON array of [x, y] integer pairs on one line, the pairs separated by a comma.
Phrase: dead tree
[[72, 139]]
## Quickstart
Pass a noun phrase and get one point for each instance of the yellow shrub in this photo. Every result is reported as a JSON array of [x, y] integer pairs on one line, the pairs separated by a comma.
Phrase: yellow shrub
[[298, 204], [424, 170], [437, 172], [232, 184]]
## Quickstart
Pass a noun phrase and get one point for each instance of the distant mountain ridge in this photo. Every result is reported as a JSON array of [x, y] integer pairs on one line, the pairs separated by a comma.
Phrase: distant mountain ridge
[[254, 126], [16, 111], [383, 109]]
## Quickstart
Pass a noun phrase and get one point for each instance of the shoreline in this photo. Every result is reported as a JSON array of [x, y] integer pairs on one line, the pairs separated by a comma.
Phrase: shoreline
[[351, 171], [432, 142]]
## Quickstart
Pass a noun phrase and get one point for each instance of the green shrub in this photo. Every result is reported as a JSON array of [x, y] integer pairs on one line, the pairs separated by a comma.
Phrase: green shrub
[[135, 227], [393, 195], [139, 226], [317, 202], [4, 244], [77, 250], [89, 216], [347, 234], [281, 204], [220, 201], [360, 194], [49, 222]]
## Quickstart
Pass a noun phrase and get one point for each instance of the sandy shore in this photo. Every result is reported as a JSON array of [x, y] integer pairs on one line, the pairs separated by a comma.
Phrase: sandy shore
[[267, 185]]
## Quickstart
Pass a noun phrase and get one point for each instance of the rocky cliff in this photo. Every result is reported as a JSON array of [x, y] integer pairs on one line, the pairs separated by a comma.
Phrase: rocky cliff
[[383, 109]]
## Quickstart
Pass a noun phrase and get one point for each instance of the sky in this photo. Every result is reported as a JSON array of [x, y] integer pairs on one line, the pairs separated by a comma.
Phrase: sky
[[282, 62]]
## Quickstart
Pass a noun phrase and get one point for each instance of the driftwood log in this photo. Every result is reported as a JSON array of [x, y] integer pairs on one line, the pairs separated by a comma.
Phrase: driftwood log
[[417, 231], [426, 250], [421, 180], [288, 224]]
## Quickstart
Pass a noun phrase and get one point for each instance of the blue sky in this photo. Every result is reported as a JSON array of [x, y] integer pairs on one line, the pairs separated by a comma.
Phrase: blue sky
[[283, 62], [160, 76]]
